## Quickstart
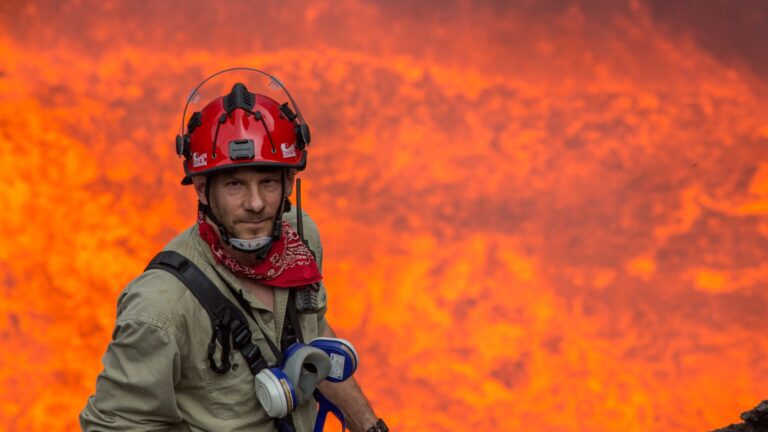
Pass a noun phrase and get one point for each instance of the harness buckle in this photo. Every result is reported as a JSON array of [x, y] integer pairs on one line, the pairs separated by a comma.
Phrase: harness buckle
[[240, 334]]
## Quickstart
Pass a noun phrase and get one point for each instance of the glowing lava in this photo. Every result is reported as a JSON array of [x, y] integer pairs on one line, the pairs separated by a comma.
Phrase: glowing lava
[[533, 220]]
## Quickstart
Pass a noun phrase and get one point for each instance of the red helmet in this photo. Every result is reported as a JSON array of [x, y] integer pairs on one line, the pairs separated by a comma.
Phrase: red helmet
[[242, 129]]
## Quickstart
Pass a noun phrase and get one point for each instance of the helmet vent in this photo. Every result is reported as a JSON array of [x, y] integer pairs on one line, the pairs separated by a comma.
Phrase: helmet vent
[[239, 97]]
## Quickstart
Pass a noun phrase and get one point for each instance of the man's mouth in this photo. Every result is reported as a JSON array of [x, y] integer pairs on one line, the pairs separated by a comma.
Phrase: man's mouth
[[251, 222]]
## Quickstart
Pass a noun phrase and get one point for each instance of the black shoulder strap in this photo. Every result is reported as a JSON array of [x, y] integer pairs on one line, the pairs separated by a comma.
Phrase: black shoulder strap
[[226, 319]]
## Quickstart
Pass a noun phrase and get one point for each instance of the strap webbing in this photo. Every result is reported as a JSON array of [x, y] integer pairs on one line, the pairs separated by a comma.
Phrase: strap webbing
[[291, 332], [247, 308], [226, 318]]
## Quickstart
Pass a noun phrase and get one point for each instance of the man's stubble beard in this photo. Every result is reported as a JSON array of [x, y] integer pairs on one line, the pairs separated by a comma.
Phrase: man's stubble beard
[[246, 234], [242, 232]]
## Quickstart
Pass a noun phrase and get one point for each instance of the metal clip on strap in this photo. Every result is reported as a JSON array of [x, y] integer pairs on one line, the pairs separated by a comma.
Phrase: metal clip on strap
[[221, 334]]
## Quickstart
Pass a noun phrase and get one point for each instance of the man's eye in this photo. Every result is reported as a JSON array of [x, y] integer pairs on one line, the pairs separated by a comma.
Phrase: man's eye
[[232, 183]]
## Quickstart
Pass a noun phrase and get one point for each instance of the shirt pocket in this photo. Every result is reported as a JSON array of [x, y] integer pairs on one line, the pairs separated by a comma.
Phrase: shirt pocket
[[231, 394]]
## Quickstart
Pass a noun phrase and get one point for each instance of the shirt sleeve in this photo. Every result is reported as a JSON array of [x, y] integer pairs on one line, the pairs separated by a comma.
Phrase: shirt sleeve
[[135, 391]]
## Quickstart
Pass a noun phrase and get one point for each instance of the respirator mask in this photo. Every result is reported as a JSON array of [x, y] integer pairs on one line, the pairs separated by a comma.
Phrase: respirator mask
[[281, 390]]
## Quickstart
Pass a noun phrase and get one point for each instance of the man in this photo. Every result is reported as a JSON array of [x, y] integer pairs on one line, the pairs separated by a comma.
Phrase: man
[[175, 363]]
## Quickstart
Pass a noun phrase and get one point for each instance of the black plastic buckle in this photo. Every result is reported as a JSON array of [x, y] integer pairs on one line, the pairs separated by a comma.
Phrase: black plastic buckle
[[240, 334]]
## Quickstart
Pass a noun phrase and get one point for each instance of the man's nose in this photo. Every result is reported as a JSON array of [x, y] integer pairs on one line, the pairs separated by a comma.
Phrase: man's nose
[[254, 201]]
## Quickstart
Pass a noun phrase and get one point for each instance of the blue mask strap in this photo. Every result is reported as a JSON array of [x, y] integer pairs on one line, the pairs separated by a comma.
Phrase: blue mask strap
[[327, 406]]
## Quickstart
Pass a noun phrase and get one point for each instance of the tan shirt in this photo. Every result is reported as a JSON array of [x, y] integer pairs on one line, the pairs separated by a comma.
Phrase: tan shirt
[[156, 373]]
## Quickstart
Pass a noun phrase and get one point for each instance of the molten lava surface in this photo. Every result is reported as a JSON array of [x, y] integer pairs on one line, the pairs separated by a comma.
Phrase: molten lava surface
[[537, 216]]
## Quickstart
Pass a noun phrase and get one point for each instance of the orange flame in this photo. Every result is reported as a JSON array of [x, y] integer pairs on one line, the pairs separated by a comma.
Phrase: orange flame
[[533, 219]]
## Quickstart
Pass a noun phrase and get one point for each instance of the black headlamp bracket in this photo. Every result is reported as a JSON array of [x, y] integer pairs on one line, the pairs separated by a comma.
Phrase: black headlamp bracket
[[182, 145], [241, 149]]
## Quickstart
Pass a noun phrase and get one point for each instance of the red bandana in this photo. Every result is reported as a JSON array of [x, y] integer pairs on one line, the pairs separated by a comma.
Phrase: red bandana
[[289, 263]]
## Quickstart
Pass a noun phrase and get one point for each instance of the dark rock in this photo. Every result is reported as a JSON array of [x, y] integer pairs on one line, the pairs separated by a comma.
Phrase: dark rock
[[755, 420], [758, 416], [740, 427]]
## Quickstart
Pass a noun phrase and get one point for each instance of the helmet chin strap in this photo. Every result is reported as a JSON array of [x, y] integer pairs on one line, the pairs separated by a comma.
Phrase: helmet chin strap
[[249, 245], [259, 246]]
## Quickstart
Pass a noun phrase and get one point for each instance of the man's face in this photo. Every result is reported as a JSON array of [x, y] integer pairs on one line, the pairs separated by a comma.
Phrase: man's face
[[245, 200]]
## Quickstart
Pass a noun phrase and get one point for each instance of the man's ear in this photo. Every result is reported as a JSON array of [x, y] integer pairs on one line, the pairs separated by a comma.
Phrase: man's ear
[[199, 183], [289, 178]]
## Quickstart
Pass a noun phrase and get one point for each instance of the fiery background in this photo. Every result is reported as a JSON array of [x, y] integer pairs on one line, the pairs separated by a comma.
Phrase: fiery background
[[537, 215]]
